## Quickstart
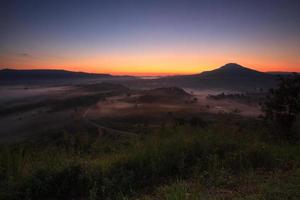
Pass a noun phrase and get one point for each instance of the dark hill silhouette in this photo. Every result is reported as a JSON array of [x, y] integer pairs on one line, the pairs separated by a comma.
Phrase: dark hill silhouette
[[11, 74], [105, 87], [279, 73], [233, 70], [229, 76], [161, 95], [171, 91], [53, 76]]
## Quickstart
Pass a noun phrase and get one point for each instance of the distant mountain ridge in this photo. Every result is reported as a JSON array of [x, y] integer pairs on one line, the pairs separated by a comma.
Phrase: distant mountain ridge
[[54, 77], [11, 74], [229, 76], [233, 70], [280, 73]]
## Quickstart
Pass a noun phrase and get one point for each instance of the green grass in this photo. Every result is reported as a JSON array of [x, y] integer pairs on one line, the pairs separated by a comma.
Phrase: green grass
[[280, 188], [224, 156]]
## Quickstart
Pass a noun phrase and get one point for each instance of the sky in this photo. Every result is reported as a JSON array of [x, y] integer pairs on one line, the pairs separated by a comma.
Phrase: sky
[[153, 37]]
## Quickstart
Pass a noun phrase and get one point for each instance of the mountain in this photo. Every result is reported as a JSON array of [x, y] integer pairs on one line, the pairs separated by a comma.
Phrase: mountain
[[161, 95], [229, 76], [283, 73], [10, 74], [233, 70], [15, 76]]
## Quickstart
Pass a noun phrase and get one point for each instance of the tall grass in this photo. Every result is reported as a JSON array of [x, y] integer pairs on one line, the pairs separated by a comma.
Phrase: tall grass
[[56, 172]]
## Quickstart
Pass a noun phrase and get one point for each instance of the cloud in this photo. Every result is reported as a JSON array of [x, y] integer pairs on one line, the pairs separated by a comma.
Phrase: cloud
[[24, 54], [38, 56]]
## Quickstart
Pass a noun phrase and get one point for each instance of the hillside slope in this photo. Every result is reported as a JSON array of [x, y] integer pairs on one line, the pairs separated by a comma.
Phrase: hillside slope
[[11, 74], [229, 76]]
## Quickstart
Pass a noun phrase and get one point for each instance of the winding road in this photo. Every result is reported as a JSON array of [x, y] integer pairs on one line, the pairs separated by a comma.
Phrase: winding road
[[109, 130]]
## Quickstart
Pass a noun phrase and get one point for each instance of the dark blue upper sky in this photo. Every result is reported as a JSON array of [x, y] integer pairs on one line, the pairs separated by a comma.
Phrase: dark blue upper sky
[[57, 33]]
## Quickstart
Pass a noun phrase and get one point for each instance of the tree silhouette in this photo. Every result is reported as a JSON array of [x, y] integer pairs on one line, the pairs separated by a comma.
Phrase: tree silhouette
[[282, 105]]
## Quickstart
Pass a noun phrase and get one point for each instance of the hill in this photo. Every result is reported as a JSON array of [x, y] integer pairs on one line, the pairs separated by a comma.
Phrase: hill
[[229, 76], [164, 95], [11, 74], [233, 70], [279, 73], [53, 76]]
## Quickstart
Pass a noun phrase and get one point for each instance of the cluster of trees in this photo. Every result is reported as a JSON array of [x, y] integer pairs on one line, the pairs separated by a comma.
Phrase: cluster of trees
[[227, 96], [247, 97], [282, 107]]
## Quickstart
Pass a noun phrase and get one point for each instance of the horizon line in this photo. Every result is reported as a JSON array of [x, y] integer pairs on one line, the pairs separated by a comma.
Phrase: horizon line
[[149, 74]]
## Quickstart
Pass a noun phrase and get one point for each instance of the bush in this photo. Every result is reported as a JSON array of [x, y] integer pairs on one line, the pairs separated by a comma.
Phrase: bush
[[287, 189], [68, 183], [282, 106]]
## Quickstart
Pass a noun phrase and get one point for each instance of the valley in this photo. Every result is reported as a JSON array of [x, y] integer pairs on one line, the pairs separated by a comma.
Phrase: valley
[[142, 139]]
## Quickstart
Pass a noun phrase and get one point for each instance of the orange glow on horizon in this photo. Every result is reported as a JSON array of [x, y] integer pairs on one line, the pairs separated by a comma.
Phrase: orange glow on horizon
[[159, 73], [154, 64]]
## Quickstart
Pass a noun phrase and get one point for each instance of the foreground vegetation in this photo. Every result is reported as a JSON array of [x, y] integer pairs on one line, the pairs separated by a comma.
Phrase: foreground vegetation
[[231, 158]]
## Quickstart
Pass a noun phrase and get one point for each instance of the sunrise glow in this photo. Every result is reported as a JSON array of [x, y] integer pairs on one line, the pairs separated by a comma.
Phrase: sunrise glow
[[142, 38]]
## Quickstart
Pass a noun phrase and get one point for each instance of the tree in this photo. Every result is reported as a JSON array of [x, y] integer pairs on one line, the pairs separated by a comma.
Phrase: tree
[[282, 105]]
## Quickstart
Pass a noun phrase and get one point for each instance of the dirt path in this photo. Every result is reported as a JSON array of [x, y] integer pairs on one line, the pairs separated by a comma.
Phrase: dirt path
[[99, 126]]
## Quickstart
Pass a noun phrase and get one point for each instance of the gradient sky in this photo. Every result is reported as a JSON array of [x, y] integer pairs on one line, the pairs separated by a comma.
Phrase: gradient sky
[[150, 37]]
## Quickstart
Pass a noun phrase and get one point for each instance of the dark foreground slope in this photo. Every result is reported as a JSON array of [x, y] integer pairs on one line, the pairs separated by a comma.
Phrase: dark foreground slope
[[228, 159]]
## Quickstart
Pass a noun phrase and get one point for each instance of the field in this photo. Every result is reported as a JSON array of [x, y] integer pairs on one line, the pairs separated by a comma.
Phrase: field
[[107, 141], [25, 110]]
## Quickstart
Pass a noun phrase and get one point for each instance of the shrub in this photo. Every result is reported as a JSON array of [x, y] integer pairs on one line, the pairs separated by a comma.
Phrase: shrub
[[282, 106], [287, 189]]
